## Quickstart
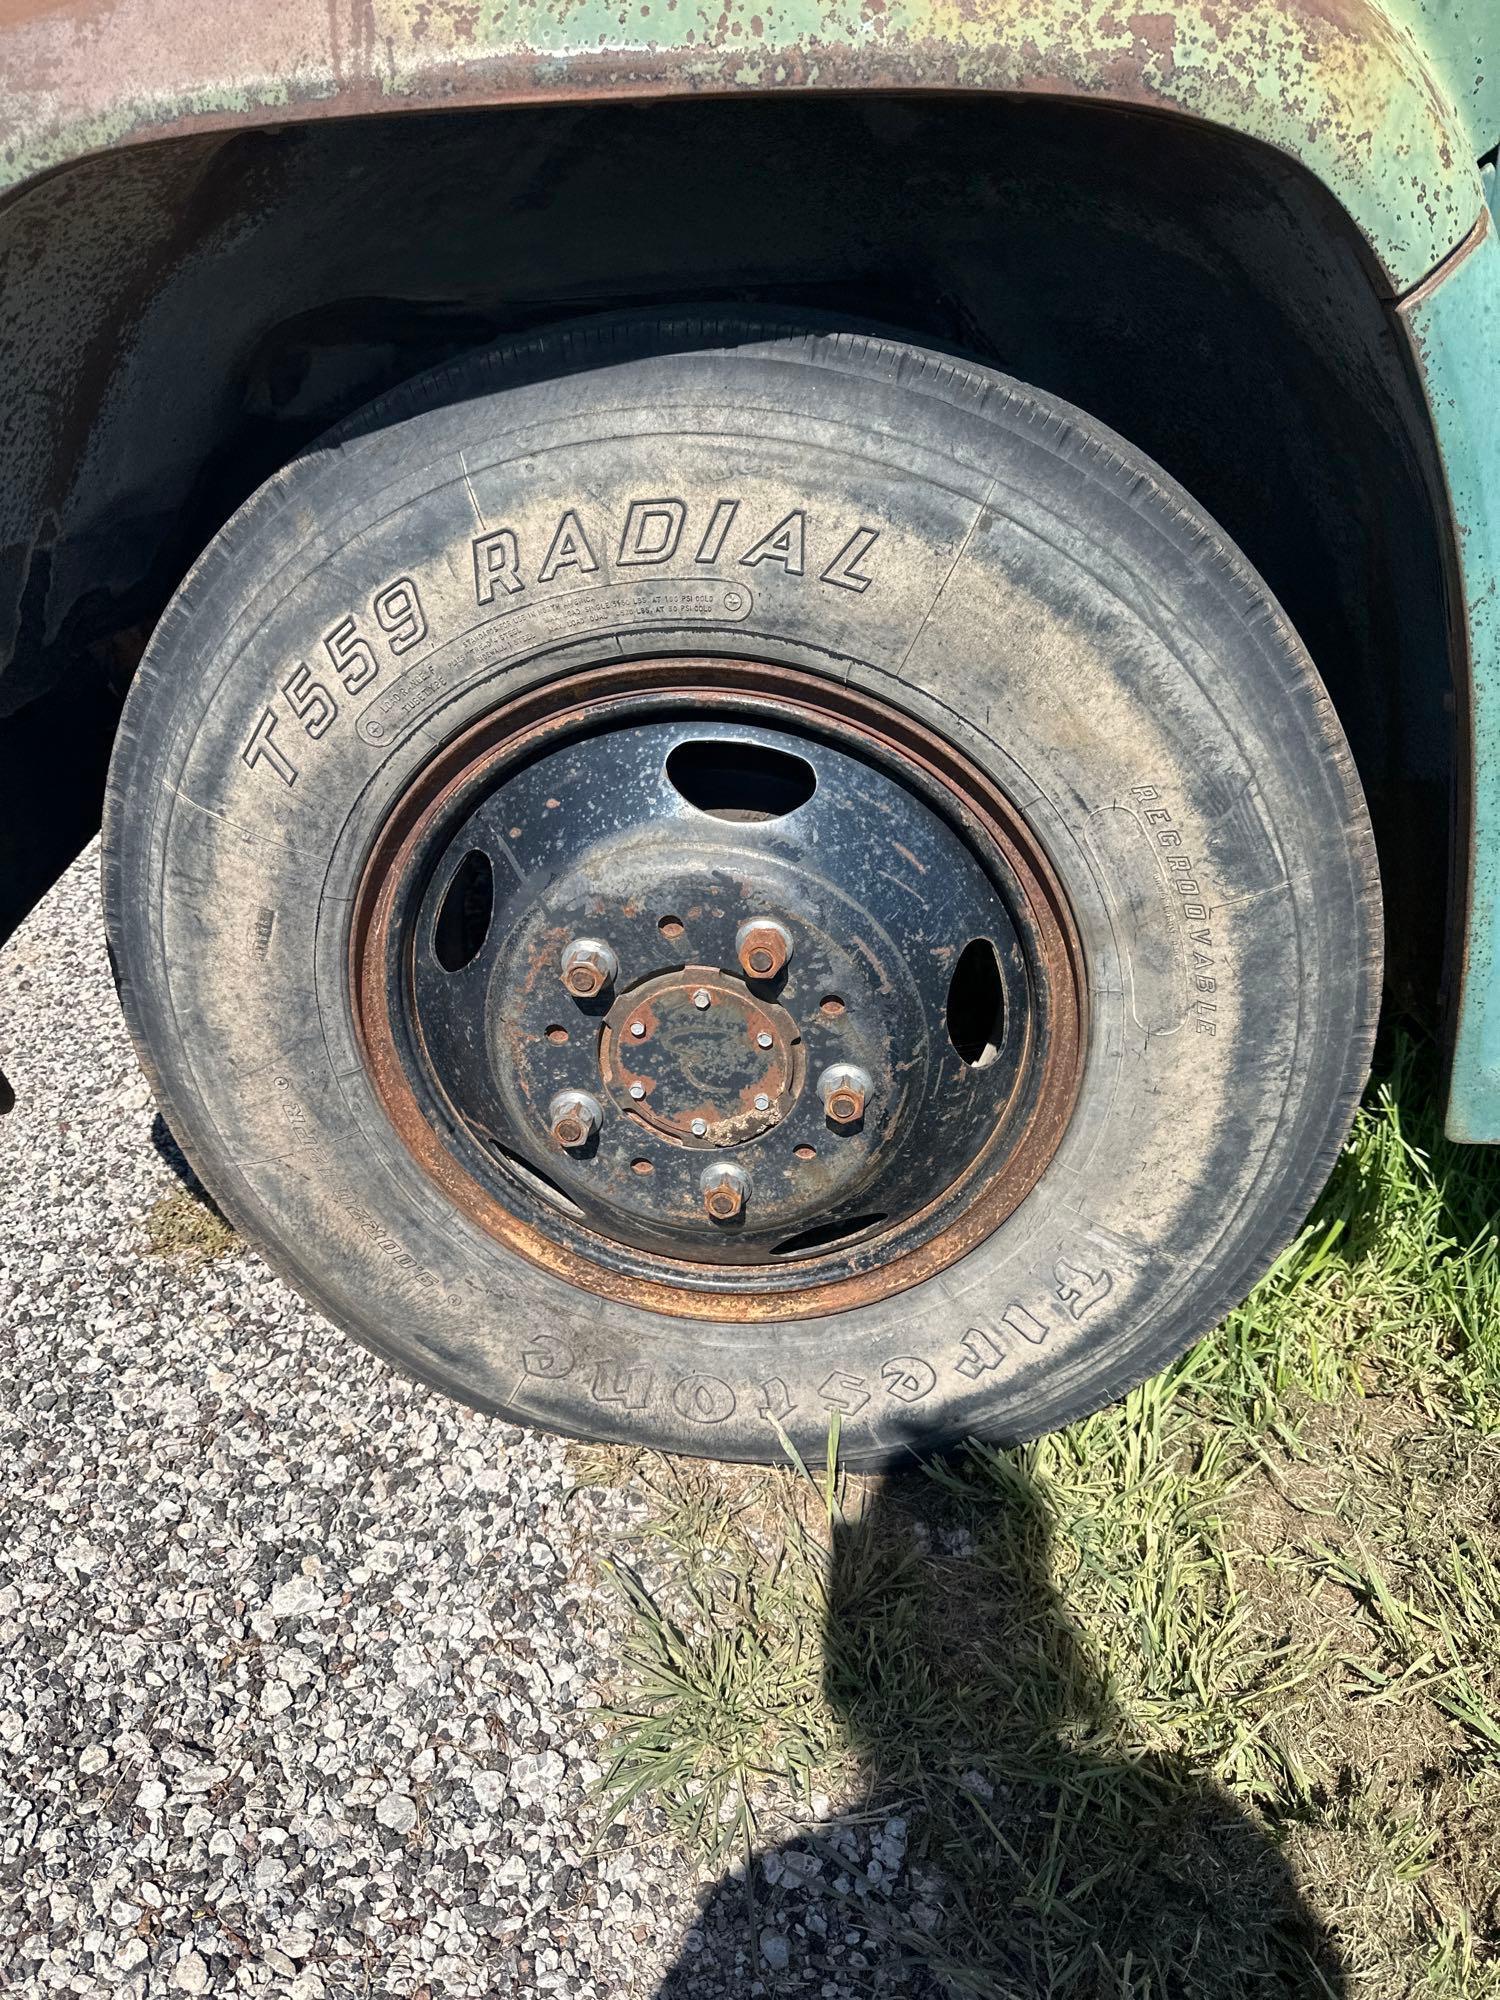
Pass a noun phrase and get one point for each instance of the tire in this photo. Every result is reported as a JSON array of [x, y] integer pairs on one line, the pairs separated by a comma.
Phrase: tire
[[973, 560]]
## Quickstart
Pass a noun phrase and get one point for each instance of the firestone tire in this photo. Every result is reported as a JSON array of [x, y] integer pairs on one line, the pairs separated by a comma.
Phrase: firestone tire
[[972, 553]]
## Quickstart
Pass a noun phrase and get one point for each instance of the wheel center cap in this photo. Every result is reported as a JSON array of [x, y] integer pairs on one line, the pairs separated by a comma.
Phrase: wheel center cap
[[700, 1059]]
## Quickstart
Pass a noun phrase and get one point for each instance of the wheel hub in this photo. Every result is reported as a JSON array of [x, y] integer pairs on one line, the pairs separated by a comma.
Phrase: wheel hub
[[699, 1059], [666, 986]]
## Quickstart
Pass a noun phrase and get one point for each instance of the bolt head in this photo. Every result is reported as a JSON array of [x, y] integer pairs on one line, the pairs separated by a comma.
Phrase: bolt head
[[763, 947], [845, 1090], [724, 1190], [588, 966], [574, 1117], [702, 998], [700, 1128]]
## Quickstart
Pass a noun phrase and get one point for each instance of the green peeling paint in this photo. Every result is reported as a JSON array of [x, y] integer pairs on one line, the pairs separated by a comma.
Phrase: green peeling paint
[[1460, 41], [1456, 328], [1346, 87]]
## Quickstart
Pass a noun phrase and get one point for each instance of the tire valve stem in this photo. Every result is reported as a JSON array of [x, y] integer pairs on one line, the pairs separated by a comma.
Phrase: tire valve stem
[[725, 1190], [845, 1089], [574, 1117]]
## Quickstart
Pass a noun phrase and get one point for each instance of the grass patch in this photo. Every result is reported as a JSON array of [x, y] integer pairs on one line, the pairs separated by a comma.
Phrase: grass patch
[[180, 1225], [1201, 1696]]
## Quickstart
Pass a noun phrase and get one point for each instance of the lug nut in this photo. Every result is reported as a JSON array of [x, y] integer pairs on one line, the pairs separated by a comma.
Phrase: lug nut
[[763, 947], [702, 998], [724, 1191], [588, 966], [844, 1089], [575, 1117]]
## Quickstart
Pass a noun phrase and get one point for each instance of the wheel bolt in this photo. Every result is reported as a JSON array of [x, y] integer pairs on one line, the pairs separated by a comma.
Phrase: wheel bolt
[[637, 1028], [588, 966], [638, 1091], [700, 1128], [763, 1040], [762, 1103], [724, 1190], [844, 1089], [702, 998], [575, 1117], [763, 947]]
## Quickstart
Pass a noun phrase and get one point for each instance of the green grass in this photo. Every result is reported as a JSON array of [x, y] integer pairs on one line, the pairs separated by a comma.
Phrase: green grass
[[1199, 1697]]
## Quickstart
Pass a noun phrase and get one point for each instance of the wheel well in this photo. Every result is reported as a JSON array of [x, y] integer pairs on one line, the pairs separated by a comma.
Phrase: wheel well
[[192, 313]]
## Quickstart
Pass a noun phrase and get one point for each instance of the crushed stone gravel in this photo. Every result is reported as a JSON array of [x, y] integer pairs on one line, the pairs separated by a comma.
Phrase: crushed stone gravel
[[297, 1660], [300, 1664]]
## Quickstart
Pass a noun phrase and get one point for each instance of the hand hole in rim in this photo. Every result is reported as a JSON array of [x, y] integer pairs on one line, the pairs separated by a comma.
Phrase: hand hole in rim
[[533, 1177], [976, 1005], [463, 918], [826, 1235], [730, 779]]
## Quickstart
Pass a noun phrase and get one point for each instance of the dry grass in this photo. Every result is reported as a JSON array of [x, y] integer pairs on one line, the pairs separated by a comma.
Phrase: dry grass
[[183, 1225]]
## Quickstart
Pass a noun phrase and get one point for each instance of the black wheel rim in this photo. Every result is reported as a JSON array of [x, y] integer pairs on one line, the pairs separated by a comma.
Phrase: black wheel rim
[[579, 954]]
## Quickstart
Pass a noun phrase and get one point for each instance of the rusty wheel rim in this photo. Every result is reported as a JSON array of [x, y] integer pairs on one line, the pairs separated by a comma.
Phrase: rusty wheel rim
[[697, 1091]]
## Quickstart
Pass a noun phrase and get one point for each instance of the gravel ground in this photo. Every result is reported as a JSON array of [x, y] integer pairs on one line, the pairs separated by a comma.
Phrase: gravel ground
[[299, 1664]]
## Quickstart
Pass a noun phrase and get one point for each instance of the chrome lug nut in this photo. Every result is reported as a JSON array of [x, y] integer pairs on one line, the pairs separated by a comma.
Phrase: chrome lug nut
[[588, 966], [574, 1117], [845, 1089], [725, 1190], [763, 947]]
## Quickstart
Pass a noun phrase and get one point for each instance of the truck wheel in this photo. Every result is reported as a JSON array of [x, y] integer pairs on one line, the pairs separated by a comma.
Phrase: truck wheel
[[687, 875]]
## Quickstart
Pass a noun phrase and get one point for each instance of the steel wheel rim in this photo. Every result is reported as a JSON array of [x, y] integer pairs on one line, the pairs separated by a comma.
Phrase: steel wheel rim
[[507, 1173]]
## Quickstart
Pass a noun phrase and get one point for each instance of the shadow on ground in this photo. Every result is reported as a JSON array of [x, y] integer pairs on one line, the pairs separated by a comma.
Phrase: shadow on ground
[[1064, 1872], [172, 1156]]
